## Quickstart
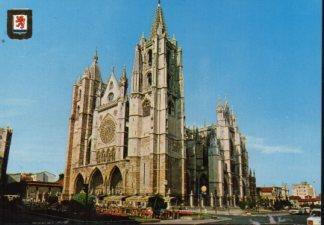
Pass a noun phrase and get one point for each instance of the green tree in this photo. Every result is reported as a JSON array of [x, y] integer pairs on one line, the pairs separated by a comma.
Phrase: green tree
[[242, 204], [51, 199], [83, 199], [248, 203], [157, 204]]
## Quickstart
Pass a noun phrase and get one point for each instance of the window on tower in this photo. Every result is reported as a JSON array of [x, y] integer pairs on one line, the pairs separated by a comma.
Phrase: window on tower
[[169, 80], [88, 153], [149, 55], [146, 108], [93, 103], [78, 112], [168, 58], [80, 92], [140, 82], [149, 79], [171, 109]]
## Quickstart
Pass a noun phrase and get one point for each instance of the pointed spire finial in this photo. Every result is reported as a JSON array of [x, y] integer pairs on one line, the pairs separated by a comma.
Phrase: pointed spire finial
[[123, 78], [95, 57], [124, 71], [159, 25]]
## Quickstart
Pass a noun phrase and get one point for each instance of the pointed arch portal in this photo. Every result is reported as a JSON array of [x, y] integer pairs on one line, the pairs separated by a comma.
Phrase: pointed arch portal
[[96, 183], [79, 184], [116, 182]]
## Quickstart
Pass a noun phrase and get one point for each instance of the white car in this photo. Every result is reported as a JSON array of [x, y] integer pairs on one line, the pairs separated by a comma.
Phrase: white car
[[295, 212], [315, 217]]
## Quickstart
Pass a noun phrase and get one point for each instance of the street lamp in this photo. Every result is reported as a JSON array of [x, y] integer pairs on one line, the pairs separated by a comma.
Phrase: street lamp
[[216, 203], [203, 192]]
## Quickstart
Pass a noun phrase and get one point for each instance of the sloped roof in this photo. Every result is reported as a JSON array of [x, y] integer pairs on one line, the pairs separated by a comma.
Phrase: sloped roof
[[266, 189]]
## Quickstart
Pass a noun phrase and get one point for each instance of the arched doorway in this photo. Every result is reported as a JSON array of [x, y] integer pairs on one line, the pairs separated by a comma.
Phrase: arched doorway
[[116, 182], [79, 184], [96, 183]]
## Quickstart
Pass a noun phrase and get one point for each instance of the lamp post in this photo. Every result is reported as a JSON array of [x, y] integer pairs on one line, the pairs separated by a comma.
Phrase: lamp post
[[228, 203], [203, 192], [216, 203]]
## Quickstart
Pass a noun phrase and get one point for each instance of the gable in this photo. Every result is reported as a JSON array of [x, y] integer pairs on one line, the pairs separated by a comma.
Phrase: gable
[[112, 91]]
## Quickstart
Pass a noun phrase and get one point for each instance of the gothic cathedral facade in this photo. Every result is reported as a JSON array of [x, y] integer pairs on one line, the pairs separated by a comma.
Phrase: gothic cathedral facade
[[135, 143]]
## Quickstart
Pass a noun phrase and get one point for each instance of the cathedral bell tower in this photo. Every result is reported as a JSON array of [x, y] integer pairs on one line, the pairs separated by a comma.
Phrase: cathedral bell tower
[[80, 122], [156, 116]]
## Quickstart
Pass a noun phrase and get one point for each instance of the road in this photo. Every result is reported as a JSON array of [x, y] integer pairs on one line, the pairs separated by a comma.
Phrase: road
[[27, 218], [15, 218], [288, 219], [245, 220]]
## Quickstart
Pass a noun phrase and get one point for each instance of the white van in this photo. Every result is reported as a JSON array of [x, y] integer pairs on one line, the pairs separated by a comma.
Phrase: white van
[[315, 217]]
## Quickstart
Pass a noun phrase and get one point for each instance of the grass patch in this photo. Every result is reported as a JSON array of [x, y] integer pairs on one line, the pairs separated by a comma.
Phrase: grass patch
[[144, 220]]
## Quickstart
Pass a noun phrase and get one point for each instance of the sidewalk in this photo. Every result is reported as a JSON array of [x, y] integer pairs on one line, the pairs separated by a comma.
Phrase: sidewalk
[[230, 211], [190, 221]]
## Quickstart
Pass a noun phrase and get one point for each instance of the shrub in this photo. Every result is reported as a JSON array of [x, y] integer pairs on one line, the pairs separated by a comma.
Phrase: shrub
[[157, 204], [51, 199], [83, 199], [249, 203]]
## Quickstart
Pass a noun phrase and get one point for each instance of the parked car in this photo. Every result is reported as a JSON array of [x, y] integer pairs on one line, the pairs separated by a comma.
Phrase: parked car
[[314, 217], [295, 212]]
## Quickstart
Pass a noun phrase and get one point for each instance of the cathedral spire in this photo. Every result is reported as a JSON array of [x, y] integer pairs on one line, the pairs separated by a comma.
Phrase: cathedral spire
[[124, 71], [158, 26], [95, 57], [123, 79], [94, 70], [113, 70]]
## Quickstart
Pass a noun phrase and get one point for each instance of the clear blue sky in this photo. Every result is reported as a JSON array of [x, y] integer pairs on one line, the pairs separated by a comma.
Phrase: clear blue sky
[[264, 56]]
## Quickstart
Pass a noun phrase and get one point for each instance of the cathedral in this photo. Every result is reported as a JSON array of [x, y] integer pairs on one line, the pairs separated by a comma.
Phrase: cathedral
[[133, 144]]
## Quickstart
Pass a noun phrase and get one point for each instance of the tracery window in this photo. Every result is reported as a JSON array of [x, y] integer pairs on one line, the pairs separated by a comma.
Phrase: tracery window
[[146, 108], [111, 96], [111, 85]]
